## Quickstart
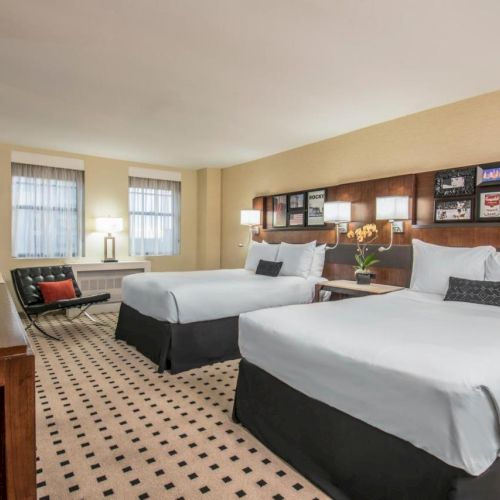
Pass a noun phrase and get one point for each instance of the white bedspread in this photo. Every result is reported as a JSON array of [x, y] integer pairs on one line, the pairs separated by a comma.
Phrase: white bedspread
[[186, 297], [408, 363]]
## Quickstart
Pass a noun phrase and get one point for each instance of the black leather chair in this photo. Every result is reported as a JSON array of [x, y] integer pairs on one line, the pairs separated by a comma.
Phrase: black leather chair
[[25, 282]]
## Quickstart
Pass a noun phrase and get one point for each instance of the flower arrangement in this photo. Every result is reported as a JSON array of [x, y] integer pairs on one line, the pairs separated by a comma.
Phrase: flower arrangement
[[364, 236]]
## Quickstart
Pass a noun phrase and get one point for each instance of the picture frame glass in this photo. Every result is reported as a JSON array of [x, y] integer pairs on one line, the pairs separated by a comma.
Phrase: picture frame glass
[[455, 182], [489, 205], [453, 210], [296, 201], [296, 219], [279, 211], [316, 207], [488, 175]]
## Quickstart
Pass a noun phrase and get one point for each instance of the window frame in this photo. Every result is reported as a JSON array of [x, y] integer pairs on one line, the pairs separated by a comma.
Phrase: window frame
[[157, 215], [51, 208]]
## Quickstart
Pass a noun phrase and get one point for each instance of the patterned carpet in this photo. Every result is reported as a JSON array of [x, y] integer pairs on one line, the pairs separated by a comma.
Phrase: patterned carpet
[[108, 425]]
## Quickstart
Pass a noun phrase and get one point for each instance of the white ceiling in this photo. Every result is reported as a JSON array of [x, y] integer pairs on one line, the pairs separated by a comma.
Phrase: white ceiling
[[197, 83]]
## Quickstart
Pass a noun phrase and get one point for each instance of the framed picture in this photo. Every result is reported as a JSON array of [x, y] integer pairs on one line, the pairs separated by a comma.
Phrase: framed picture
[[453, 210], [488, 175], [296, 201], [456, 182], [279, 210], [296, 219], [315, 207], [488, 204]]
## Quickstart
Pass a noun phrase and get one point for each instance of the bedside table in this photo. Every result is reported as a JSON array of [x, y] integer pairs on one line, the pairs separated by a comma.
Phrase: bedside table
[[343, 289]]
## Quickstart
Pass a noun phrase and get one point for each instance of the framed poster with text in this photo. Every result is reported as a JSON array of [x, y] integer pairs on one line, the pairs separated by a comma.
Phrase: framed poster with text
[[316, 207]]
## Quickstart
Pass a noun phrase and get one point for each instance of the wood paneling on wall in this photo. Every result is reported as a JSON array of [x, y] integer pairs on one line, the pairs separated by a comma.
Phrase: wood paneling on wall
[[395, 267]]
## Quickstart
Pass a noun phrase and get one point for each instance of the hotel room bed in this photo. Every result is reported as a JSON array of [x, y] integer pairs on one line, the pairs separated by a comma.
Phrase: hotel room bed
[[182, 320], [391, 397]]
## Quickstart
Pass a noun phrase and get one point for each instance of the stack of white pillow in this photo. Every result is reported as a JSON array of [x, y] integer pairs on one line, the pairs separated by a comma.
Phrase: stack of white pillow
[[302, 259], [433, 265]]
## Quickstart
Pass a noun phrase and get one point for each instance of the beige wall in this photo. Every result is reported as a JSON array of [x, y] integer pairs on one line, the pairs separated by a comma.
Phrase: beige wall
[[459, 134], [209, 218], [106, 193], [463, 133]]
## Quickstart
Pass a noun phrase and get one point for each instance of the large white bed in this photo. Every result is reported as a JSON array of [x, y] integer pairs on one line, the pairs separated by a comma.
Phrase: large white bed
[[408, 363], [182, 320], [385, 397], [188, 297]]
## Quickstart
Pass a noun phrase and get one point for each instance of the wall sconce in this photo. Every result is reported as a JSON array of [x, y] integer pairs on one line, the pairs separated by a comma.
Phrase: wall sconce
[[338, 213], [250, 218], [394, 209], [109, 225]]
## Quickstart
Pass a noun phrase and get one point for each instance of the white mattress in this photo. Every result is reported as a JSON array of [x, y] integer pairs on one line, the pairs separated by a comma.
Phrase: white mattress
[[408, 363], [187, 297]]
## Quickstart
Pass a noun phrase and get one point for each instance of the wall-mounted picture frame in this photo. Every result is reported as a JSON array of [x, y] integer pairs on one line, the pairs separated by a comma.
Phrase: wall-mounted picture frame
[[296, 201], [458, 210], [279, 210], [296, 219], [488, 204], [488, 175], [316, 207], [455, 182]]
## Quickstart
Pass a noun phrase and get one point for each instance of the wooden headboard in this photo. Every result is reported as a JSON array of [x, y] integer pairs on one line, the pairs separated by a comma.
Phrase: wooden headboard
[[395, 265]]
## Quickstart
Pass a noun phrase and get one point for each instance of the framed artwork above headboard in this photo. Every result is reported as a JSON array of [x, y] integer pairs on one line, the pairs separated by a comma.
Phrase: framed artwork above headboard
[[473, 230]]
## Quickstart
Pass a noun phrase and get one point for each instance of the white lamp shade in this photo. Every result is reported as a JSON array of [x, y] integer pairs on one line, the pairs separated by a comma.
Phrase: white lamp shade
[[109, 224], [250, 217], [337, 211], [392, 208]]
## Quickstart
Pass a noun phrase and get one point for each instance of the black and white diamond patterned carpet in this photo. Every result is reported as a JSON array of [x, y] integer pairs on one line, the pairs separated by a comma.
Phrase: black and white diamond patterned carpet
[[108, 425]]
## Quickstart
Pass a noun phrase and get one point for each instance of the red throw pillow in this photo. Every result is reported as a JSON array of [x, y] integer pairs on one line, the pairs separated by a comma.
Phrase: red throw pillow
[[52, 291]]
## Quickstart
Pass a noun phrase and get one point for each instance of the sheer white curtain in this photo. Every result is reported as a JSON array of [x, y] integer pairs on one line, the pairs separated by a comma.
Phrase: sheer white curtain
[[47, 212], [154, 216]]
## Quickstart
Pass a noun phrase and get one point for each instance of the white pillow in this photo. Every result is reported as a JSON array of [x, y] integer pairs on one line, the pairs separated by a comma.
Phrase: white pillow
[[493, 267], [296, 258], [318, 261], [260, 251], [433, 265]]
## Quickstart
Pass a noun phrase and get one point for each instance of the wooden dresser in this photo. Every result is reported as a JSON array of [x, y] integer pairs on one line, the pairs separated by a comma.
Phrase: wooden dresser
[[17, 405]]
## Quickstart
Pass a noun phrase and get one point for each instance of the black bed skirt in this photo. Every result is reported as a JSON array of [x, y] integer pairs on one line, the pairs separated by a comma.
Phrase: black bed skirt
[[178, 347], [345, 457]]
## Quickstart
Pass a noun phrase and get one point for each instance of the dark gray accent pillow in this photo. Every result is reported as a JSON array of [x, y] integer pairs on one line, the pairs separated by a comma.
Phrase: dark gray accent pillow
[[476, 292], [268, 268]]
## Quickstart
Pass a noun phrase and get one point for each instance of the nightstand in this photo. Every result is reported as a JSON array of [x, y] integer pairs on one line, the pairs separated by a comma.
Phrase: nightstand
[[343, 289]]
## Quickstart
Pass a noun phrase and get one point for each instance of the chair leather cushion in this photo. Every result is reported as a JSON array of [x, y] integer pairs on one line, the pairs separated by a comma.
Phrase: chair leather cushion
[[66, 304], [53, 291], [26, 280]]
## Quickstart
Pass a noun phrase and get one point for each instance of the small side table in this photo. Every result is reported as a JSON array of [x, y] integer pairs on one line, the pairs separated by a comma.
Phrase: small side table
[[343, 289]]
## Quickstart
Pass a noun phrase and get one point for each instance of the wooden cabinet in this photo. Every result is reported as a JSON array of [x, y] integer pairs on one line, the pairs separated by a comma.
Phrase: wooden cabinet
[[17, 405]]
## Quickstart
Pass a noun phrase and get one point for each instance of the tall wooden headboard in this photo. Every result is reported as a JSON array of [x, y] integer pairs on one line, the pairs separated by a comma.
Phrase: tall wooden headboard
[[395, 265]]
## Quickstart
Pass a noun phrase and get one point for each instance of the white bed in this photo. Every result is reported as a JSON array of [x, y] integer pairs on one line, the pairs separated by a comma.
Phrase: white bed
[[188, 297], [408, 363]]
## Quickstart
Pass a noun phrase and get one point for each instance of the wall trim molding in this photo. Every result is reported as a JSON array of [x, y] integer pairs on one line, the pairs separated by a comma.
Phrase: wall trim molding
[[47, 160], [152, 173]]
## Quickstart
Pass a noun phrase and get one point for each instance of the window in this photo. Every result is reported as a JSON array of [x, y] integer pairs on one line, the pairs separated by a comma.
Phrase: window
[[154, 216], [47, 212]]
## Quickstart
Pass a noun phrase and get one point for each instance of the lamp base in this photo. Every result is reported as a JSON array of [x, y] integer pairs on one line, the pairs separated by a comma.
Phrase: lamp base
[[109, 249]]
